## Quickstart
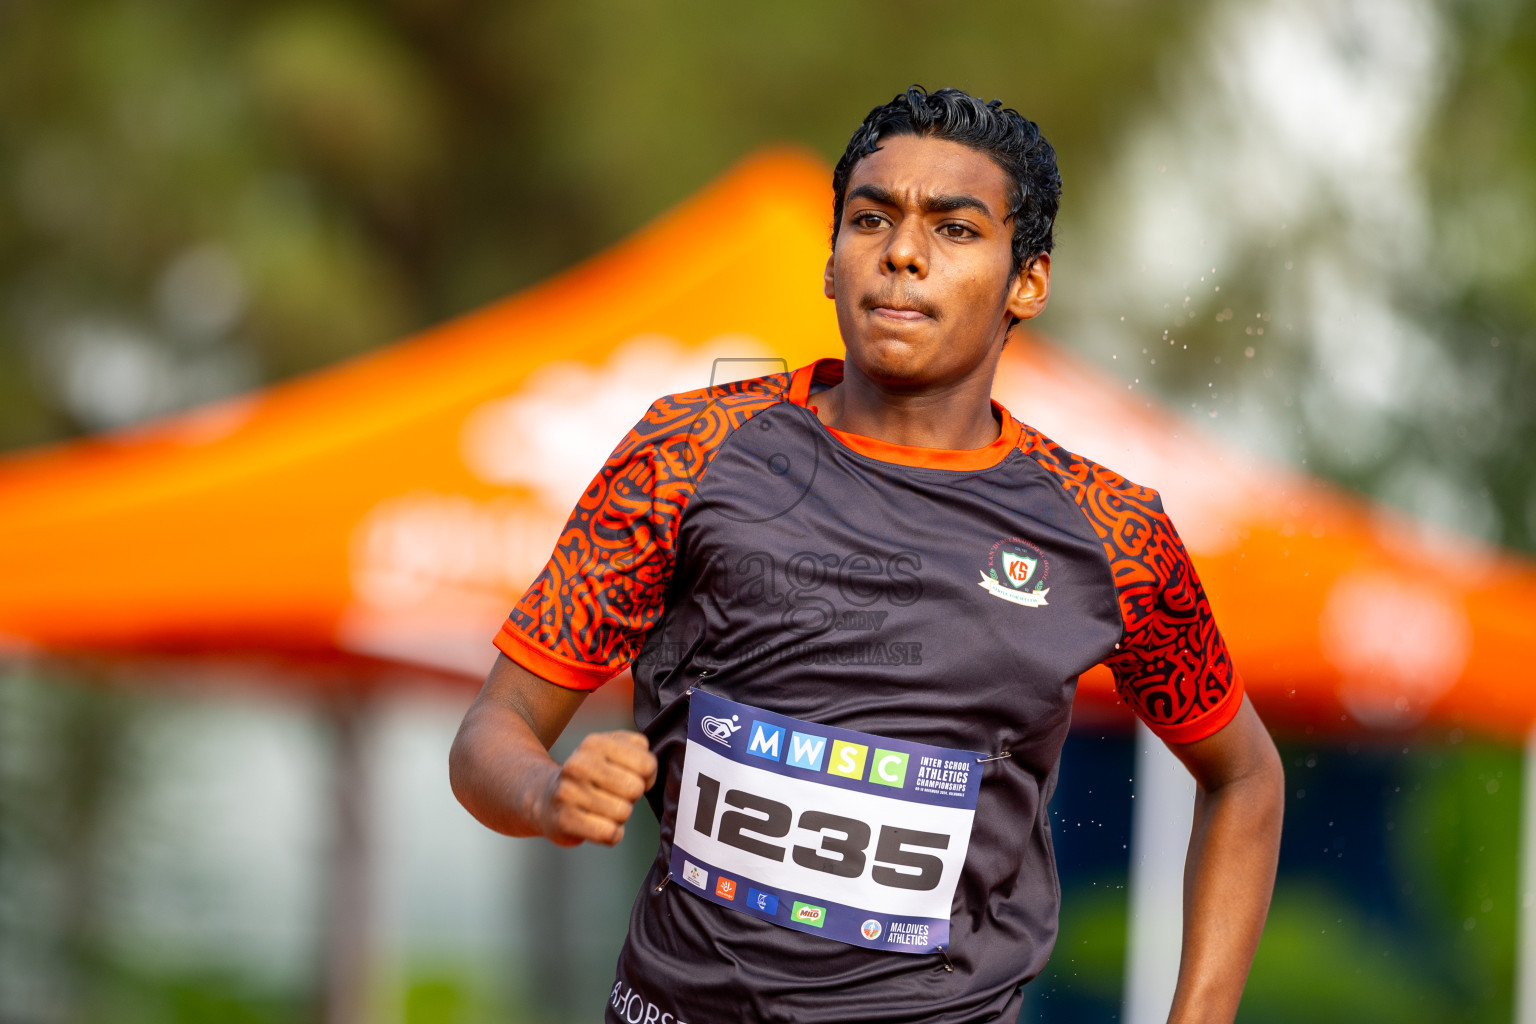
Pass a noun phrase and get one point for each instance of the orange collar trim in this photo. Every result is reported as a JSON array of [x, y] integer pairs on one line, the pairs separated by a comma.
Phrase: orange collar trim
[[830, 371]]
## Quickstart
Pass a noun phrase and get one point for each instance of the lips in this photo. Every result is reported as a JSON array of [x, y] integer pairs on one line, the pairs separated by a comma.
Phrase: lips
[[900, 309]]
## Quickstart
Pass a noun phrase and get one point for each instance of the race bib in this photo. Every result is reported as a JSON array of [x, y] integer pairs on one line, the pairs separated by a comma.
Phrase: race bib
[[837, 833]]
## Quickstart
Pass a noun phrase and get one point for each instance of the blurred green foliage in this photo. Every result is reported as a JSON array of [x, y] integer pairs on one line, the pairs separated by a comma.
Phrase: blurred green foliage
[[1459, 818], [1084, 979], [120, 996], [196, 199], [1432, 943], [1361, 179], [1481, 161], [1442, 948], [1320, 960], [358, 171]]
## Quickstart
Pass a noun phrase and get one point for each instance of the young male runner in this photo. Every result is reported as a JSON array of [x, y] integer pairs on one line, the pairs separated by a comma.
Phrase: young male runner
[[856, 600]]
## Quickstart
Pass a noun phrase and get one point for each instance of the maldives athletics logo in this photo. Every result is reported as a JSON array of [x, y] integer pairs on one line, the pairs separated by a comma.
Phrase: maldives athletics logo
[[1016, 571]]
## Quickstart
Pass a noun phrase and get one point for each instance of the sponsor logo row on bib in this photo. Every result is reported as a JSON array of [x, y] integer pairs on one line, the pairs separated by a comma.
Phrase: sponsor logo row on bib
[[809, 752], [768, 903], [763, 902]]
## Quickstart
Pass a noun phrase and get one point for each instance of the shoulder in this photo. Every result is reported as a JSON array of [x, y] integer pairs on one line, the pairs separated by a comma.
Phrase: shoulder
[[1147, 560], [1122, 511], [704, 417]]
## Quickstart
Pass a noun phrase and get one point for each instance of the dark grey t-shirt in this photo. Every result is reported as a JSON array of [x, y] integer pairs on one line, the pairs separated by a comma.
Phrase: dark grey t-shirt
[[734, 543]]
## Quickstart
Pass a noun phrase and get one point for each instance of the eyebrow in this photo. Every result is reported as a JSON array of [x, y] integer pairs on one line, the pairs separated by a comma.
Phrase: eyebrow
[[942, 203]]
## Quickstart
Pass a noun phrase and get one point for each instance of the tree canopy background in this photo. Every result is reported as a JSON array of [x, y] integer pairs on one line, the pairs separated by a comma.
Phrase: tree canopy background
[[197, 199]]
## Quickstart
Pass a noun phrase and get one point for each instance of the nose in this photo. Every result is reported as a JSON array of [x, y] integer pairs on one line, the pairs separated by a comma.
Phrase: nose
[[906, 251]]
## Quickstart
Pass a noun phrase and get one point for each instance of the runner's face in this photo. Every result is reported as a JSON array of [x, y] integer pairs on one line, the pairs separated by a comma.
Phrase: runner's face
[[922, 269]]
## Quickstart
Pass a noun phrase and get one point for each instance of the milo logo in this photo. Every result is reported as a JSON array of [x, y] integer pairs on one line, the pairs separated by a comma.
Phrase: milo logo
[[807, 913]]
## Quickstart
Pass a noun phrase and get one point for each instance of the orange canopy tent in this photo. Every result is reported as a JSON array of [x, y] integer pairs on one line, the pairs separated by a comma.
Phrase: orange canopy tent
[[389, 510]]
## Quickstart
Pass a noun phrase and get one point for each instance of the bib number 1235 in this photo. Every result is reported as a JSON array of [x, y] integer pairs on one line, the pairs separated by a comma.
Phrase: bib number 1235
[[848, 835]]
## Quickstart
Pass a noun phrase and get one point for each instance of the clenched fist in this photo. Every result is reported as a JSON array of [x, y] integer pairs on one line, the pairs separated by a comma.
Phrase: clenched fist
[[594, 792]]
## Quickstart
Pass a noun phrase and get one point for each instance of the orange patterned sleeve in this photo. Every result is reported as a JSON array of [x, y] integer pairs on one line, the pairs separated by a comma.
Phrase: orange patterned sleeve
[[587, 613], [1171, 664]]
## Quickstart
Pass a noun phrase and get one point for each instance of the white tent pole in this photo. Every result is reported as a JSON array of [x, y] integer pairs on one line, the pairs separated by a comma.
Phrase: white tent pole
[[1161, 815], [1525, 954]]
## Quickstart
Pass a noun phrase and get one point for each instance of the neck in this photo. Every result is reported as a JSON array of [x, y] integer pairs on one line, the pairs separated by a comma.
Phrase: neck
[[956, 415]]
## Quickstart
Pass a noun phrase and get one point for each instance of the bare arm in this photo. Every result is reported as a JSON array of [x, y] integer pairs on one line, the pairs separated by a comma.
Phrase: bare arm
[[1229, 873], [502, 773]]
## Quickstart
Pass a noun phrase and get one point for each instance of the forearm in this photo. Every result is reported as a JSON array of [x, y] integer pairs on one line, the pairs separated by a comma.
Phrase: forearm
[[501, 772], [1229, 876]]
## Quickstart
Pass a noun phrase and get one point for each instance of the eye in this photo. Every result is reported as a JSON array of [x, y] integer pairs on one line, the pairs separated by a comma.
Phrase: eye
[[867, 220], [956, 231]]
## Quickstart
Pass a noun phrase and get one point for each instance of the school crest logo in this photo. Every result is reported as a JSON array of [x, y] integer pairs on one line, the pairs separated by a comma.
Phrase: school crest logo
[[1016, 571]]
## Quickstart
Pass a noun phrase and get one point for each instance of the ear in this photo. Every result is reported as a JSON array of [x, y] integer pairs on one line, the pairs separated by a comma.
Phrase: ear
[[1030, 289], [826, 279]]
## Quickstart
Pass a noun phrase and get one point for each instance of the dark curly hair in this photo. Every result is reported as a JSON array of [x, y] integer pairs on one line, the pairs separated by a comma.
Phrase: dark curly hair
[[1002, 133]]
